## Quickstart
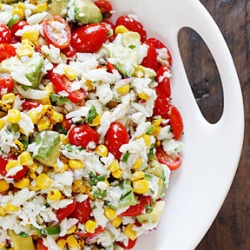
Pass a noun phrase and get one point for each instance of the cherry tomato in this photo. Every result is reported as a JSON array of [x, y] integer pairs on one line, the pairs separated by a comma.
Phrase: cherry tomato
[[89, 38], [105, 8], [3, 163], [138, 208], [131, 244], [150, 60], [56, 31], [98, 230], [82, 135], [163, 89], [39, 245], [82, 211], [175, 121], [132, 25], [69, 51], [62, 83], [16, 27], [116, 136], [5, 34], [29, 104], [66, 123], [164, 158], [6, 51], [110, 27], [6, 83], [20, 174], [65, 212], [161, 107], [110, 67]]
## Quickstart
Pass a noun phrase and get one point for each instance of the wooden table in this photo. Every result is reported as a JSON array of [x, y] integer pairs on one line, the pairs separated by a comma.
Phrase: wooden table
[[231, 228]]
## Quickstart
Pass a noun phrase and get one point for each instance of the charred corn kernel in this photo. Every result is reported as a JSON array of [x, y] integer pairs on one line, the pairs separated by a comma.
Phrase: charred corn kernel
[[89, 85], [25, 50], [46, 100], [75, 164], [57, 117], [4, 106], [9, 98], [78, 186], [71, 230], [143, 96], [156, 130], [54, 195], [11, 208], [102, 150], [121, 29], [72, 241], [139, 72], [64, 139], [109, 213], [43, 181], [4, 186], [88, 191], [43, 124], [70, 73], [18, 11], [137, 176], [11, 164], [157, 121], [32, 35], [140, 186], [21, 6], [61, 168], [61, 243], [41, 7], [118, 173], [14, 116], [96, 121], [49, 87], [19, 147], [123, 89], [90, 226], [2, 123], [34, 116], [26, 158], [147, 139], [3, 211], [117, 221], [23, 183], [114, 166], [47, 111], [137, 164], [130, 232]]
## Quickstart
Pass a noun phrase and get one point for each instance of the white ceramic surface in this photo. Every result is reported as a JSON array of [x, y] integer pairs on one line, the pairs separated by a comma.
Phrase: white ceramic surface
[[211, 151]]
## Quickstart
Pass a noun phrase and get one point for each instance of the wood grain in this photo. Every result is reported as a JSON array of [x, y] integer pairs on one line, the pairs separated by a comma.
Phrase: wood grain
[[231, 228]]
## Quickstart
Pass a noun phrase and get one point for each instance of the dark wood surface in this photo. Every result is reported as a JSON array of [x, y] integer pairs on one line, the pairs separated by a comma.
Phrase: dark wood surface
[[231, 228]]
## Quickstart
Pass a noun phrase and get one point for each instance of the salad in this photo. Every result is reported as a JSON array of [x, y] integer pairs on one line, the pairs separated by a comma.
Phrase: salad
[[88, 133]]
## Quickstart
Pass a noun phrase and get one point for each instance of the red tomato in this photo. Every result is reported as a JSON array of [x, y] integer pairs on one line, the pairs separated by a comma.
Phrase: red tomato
[[110, 67], [65, 212], [69, 51], [20, 174], [29, 104], [62, 83], [16, 27], [82, 211], [39, 245], [175, 121], [161, 107], [82, 135], [66, 123], [6, 83], [56, 31], [138, 208], [116, 136], [164, 158], [5, 34], [89, 38], [150, 61], [6, 51], [98, 230], [3, 163], [163, 89], [105, 8], [132, 25], [131, 244]]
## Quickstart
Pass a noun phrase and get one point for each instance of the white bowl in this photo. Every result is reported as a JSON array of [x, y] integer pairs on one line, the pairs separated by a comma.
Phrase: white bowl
[[211, 151]]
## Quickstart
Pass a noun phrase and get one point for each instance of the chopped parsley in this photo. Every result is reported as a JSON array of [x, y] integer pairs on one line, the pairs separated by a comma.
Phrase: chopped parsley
[[92, 114], [94, 179], [150, 130], [125, 156], [100, 193], [59, 100]]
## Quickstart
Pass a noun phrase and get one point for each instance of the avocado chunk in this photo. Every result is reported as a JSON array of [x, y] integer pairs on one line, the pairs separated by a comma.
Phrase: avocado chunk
[[84, 12], [21, 243], [128, 197], [154, 216], [58, 7], [155, 168], [48, 143]]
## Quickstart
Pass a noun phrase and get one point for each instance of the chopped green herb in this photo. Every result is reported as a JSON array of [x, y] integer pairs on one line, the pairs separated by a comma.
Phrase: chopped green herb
[[94, 179], [148, 208], [150, 130], [151, 150], [59, 100], [148, 176], [92, 114], [125, 156], [100, 193], [132, 46], [25, 88], [50, 230], [23, 234]]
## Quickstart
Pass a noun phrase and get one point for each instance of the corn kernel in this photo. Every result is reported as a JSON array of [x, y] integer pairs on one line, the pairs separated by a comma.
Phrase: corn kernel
[[18, 11], [70, 73], [64, 139], [26, 158], [130, 232], [102, 150], [139, 72], [143, 96], [34, 116], [21, 6], [46, 100], [33, 167], [11, 208], [61, 243], [156, 130], [32, 35], [137, 176], [96, 121], [121, 29], [47, 111], [4, 106], [137, 164], [4, 186], [75, 164], [141, 186], [114, 166], [3, 211], [88, 191], [157, 121], [11, 164], [72, 241], [118, 173], [18, 148], [14, 116], [71, 230], [147, 139], [109, 213], [32, 175], [43, 181], [116, 222], [57, 117], [43, 124], [41, 7], [9, 98], [1, 5], [61, 168], [49, 87], [23, 183], [54, 195], [89, 85], [78, 186], [2, 123], [90, 226], [123, 89], [25, 50]]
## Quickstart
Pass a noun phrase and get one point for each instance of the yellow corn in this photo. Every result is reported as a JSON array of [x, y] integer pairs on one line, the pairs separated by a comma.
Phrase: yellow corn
[[137, 164], [157, 121], [46, 100], [43, 124], [156, 130], [130, 232], [61, 243], [3, 211], [147, 139], [139, 72], [23, 183], [4, 186], [118, 173], [137, 176], [49, 87], [64, 139], [19, 147], [47, 111], [1, 5], [11, 208], [88, 191], [32, 175], [102, 150], [78, 186], [116, 222], [121, 29], [89, 85], [70, 73], [21, 6], [75, 164], [4, 106], [14, 116], [43, 181], [33, 167], [31, 35], [34, 116], [96, 121], [60, 168], [26, 158], [123, 89], [143, 96], [90, 226], [72, 241], [141, 186], [109, 213], [18, 11], [57, 117], [11, 164], [71, 230], [9, 98], [25, 50], [41, 7], [114, 166], [2, 123], [54, 195]]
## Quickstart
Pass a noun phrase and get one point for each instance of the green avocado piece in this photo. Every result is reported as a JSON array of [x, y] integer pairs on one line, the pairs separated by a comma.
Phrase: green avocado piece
[[128, 197], [154, 216], [48, 143], [58, 7], [155, 168]]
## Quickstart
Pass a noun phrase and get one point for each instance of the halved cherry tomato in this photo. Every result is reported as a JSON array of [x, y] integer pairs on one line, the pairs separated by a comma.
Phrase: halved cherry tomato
[[69, 51], [163, 89], [16, 27], [131, 244], [56, 31], [6, 83], [62, 83], [82, 211], [138, 208], [20, 174], [5, 34], [105, 7], [98, 230], [116, 136], [110, 27], [132, 25], [29, 104], [65, 212], [67, 123], [3, 163], [6, 51], [39, 245], [164, 158], [150, 60], [89, 38], [110, 67], [161, 107], [82, 135]]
